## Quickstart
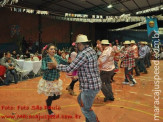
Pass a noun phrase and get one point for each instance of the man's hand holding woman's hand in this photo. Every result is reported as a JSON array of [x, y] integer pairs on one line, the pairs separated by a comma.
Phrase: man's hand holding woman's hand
[[52, 65]]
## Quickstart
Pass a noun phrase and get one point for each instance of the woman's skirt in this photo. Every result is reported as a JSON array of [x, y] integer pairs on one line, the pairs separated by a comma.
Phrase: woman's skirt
[[49, 88]]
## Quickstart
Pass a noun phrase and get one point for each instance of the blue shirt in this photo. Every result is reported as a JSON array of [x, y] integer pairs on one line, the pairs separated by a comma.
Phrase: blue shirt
[[142, 52], [147, 49]]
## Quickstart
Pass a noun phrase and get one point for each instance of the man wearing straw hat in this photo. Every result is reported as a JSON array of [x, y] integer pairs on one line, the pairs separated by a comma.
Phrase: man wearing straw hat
[[89, 77], [127, 57], [135, 48], [142, 54], [106, 64]]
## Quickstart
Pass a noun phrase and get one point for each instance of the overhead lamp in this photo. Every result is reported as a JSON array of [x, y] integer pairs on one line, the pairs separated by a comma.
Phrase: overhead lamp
[[110, 6]]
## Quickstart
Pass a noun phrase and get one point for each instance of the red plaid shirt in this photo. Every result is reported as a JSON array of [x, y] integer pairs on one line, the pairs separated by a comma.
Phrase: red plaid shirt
[[128, 58]]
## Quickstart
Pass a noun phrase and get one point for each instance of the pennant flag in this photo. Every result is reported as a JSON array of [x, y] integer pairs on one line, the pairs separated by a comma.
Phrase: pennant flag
[[152, 26]]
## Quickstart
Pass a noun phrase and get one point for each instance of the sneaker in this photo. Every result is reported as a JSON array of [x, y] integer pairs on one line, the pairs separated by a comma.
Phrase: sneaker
[[72, 93], [132, 84], [68, 88], [134, 81], [125, 83]]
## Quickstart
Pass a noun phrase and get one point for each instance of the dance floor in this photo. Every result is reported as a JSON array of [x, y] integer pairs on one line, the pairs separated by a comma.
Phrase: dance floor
[[21, 102]]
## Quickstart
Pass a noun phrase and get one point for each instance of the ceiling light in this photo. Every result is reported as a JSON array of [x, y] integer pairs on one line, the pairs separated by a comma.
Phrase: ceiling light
[[110, 6]]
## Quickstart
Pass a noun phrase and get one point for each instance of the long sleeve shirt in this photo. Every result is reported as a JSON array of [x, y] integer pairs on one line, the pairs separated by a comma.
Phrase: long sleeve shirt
[[73, 55], [142, 52], [106, 59], [128, 57], [147, 49], [86, 65], [51, 74], [4, 60], [135, 48]]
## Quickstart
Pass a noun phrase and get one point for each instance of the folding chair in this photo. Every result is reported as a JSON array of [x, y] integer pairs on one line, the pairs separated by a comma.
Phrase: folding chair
[[21, 73]]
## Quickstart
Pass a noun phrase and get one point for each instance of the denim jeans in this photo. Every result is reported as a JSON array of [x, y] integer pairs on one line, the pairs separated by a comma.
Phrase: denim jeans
[[128, 75], [85, 100], [9, 74]]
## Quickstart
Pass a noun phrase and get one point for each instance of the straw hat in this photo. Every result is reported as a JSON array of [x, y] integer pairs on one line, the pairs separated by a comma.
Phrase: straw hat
[[127, 42], [105, 42], [132, 41], [82, 38], [142, 42]]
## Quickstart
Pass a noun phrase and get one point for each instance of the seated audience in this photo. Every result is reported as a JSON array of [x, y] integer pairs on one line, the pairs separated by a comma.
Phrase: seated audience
[[10, 64]]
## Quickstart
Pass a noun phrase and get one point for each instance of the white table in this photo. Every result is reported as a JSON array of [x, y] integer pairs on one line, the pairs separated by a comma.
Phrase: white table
[[29, 66]]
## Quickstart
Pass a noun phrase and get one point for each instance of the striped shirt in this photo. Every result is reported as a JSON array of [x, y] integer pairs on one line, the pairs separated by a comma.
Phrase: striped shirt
[[86, 65], [51, 74], [106, 59]]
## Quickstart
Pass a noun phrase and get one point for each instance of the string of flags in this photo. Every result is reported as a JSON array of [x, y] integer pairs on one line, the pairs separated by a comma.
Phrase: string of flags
[[153, 9], [85, 17], [30, 11], [4, 2]]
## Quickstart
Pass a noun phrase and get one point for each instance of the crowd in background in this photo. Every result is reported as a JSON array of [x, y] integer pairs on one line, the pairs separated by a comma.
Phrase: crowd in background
[[142, 55]]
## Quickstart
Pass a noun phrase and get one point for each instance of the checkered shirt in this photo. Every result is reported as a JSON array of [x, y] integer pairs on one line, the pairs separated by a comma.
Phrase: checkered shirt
[[128, 58], [51, 74], [87, 67]]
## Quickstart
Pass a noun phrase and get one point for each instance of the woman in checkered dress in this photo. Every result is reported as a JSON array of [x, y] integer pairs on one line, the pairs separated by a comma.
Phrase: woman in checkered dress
[[50, 84]]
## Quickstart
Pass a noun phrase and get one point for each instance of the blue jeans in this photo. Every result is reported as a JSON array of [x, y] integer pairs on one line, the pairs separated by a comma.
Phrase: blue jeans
[[9, 75], [128, 75], [85, 100]]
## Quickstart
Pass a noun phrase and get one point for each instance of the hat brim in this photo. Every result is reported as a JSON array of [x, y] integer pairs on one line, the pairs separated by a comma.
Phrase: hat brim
[[126, 43], [83, 41], [105, 43]]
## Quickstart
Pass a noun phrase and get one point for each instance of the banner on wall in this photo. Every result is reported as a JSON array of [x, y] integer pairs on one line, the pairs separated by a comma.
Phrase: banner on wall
[[15, 30], [152, 26]]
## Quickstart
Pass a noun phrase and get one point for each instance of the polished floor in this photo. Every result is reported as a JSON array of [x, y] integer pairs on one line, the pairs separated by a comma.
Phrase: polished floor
[[21, 103]]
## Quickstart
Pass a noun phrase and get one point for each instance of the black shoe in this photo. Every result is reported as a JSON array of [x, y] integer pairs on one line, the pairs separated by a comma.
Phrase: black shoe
[[50, 112], [7, 84], [16, 82], [145, 72], [108, 99]]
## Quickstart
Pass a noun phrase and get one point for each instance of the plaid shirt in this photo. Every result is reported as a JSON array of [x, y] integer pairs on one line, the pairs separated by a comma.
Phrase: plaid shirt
[[87, 67], [128, 58], [51, 74]]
